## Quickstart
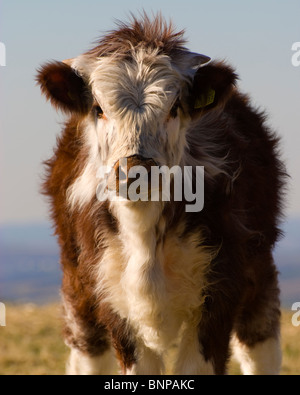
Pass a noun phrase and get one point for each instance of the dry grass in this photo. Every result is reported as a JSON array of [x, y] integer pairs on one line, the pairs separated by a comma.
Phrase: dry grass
[[31, 344]]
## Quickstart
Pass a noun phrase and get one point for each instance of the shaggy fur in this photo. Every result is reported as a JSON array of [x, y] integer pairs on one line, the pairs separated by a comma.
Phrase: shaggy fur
[[140, 276]]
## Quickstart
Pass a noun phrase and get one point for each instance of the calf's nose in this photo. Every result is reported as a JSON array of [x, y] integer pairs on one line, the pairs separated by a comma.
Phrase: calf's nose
[[123, 175]]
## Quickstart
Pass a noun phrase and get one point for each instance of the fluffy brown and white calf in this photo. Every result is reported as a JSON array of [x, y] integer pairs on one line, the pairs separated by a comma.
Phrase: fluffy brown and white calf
[[139, 276]]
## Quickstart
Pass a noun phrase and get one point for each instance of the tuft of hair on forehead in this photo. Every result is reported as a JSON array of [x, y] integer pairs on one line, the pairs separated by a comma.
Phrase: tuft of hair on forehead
[[154, 33]]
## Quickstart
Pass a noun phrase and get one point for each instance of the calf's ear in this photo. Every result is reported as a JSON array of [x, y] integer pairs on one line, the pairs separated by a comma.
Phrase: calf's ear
[[213, 85], [65, 89]]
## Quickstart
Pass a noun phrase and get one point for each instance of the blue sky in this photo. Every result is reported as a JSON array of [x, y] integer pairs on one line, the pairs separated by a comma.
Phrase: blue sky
[[255, 36]]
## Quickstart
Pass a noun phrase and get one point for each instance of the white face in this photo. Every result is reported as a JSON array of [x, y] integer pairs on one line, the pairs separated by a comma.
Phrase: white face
[[138, 109]]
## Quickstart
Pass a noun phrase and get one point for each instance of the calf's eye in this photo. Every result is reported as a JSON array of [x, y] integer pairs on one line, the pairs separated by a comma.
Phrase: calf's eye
[[174, 110], [98, 112]]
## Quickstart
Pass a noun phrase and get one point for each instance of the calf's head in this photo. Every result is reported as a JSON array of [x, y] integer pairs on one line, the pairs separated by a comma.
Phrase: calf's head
[[137, 93]]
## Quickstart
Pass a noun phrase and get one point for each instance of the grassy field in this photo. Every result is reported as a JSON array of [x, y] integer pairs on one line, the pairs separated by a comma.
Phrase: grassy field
[[31, 343]]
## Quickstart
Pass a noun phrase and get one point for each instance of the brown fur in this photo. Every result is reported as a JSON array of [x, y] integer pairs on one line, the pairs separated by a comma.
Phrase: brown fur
[[152, 34], [64, 88]]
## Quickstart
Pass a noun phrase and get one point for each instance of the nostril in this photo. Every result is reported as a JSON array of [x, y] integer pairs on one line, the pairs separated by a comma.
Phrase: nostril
[[128, 170], [122, 175]]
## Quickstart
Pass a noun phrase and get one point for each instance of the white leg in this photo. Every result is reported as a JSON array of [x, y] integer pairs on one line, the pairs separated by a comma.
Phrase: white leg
[[262, 359], [190, 359], [148, 363], [85, 365]]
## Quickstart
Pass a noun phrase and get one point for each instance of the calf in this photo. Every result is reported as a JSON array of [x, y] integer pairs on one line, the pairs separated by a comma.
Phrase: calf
[[140, 275]]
